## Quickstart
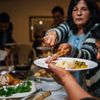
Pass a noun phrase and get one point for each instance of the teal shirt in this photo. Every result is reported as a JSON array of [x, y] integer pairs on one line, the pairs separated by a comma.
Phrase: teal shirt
[[76, 40]]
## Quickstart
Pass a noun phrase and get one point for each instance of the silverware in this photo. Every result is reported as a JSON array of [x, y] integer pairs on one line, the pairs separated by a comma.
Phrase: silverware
[[32, 94]]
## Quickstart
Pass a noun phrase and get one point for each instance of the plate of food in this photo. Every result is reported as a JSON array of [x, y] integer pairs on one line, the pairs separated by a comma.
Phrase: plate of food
[[15, 88], [71, 64], [42, 74], [10, 44]]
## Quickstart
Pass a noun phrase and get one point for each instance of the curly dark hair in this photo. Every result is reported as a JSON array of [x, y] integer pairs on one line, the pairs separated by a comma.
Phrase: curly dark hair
[[94, 18]]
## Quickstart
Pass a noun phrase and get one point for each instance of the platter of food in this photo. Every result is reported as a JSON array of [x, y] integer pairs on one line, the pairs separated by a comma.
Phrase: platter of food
[[42, 74], [71, 64], [11, 87]]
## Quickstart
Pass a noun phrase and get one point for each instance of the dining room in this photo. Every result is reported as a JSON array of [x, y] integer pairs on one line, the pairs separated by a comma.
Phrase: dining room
[[26, 66]]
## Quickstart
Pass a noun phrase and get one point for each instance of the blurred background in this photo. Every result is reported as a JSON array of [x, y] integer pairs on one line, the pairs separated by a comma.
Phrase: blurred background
[[21, 10]]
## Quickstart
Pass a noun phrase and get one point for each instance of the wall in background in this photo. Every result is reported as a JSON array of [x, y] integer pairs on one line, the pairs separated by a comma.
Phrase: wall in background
[[20, 10]]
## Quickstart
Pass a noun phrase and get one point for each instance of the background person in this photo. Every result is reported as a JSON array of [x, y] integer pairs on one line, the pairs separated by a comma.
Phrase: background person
[[75, 34], [6, 29], [58, 15], [58, 18]]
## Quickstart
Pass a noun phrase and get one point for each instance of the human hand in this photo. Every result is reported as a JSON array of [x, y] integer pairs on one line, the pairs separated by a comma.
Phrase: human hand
[[51, 38], [49, 59], [65, 46], [61, 73]]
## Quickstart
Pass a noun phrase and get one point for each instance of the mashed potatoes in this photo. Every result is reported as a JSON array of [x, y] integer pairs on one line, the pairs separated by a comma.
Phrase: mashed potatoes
[[71, 64]]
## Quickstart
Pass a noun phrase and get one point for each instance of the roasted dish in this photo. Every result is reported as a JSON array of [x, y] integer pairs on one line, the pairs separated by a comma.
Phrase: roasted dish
[[56, 55], [62, 52], [7, 79], [10, 85]]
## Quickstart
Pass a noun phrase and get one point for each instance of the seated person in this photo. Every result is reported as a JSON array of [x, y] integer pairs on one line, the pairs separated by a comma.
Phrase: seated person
[[5, 32]]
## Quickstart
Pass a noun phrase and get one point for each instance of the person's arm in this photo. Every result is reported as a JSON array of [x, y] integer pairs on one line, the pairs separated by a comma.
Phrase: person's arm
[[57, 35], [87, 51], [75, 92]]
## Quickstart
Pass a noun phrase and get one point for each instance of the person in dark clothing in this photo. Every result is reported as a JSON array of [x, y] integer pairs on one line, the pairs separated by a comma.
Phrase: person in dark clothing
[[6, 28]]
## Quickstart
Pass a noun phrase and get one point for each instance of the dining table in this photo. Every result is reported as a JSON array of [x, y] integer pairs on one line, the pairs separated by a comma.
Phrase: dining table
[[50, 89], [57, 91]]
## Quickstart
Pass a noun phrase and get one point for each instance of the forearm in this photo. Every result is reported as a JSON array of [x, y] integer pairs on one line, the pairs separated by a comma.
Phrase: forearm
[[61, 32], [75, 92]]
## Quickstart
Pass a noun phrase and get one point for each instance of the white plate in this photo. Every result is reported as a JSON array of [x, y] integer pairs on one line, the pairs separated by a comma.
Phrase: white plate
[[49, 86], [91, 64], [9, 44], [20, 95]]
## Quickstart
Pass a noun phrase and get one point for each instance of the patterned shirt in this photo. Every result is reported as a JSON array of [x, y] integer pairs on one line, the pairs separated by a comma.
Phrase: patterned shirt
[[83, 46]]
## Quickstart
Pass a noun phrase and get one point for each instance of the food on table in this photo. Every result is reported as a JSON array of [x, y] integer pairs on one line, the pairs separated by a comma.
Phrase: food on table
[[56, 55], [10, 85], [42, 73], [20, 74], [7, 79], [13, 89], [71, 64]]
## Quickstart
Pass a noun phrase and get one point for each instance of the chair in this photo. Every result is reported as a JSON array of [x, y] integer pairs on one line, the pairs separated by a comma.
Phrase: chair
[[22, 53]]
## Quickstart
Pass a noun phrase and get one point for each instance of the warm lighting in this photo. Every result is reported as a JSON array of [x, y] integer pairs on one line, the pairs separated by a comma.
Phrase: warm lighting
[[40, 22], [32, 28]]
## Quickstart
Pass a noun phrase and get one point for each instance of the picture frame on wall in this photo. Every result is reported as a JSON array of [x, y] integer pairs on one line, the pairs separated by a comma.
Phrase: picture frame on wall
[[38, 25]]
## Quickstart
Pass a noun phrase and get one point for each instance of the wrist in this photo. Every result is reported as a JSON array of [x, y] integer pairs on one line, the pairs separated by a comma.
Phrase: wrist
[[68, 77]]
